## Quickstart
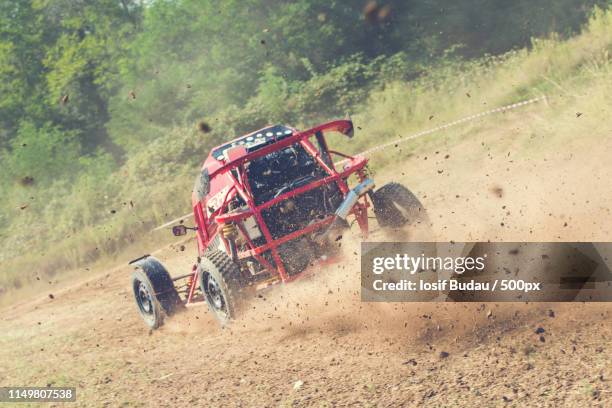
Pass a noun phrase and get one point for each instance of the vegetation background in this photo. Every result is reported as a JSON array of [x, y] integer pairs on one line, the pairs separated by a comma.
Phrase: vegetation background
[[108, 107]]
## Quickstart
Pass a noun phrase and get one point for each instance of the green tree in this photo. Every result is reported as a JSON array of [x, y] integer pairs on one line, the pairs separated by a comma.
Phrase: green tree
[[21, 52], [42, 153]]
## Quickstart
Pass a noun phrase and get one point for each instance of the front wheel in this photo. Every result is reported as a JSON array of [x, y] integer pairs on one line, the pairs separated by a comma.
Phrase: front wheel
[[396, 206], [220, 281], [154, 292]]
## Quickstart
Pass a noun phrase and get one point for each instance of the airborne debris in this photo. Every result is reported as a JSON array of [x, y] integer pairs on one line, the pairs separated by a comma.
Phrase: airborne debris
[[497, 191], [374, 13], [26, 181], [384, 12], [370, 11], [204, 127]]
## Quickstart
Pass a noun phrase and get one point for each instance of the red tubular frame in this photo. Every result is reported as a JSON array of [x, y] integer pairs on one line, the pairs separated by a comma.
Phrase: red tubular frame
[[241, 188]]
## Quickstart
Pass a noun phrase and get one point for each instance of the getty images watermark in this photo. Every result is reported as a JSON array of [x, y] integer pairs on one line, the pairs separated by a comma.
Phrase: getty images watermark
[[485, 271]]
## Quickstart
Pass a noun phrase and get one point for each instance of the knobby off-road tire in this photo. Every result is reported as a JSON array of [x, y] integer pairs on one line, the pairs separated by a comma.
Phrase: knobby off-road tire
[[154, 292], [395, 206], [221, 284]]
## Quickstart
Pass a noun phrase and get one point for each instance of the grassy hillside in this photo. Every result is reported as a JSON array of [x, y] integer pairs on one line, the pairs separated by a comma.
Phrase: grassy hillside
[[46, 232]]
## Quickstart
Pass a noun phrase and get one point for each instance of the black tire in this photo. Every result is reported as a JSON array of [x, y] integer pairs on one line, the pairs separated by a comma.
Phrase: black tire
[[395, 206], [154, 292], [221, 284]]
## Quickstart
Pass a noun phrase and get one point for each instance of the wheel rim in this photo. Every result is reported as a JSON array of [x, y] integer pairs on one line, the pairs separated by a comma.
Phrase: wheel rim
[[214, 295], [143, 298]]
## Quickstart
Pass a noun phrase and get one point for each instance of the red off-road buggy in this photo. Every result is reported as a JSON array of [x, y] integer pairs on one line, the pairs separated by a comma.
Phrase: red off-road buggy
[[268, 206]]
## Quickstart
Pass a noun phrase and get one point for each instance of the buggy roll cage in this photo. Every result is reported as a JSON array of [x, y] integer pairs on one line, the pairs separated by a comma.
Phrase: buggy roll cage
[[209, 224]]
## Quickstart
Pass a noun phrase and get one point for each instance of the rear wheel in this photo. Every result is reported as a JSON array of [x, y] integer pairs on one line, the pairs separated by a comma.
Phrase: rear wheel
[[396, 206], [221, 282]]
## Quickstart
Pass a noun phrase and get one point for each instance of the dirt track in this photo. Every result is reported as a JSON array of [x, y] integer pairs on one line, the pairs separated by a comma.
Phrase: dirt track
[[315, 343]]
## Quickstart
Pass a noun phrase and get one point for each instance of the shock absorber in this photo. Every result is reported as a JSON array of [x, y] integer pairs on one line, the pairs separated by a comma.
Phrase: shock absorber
[[230, 232]]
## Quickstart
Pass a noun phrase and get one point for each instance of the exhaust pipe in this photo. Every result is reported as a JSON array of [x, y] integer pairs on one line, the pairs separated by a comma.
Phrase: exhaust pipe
[[351, 198], [345, 208]]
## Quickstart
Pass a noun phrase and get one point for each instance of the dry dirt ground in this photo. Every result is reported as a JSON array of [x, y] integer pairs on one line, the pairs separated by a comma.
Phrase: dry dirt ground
[[313, 343]]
